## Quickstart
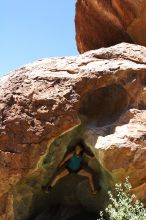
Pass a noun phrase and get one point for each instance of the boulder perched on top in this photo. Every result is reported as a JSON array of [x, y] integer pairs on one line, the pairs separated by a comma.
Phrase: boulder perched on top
[[102, 23], [99, 97]]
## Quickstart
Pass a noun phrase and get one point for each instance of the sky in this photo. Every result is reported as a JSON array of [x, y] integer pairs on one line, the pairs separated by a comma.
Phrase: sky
[[35, 29]]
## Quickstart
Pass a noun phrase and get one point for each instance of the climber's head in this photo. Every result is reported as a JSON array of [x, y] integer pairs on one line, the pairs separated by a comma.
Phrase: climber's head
[[78, 149]]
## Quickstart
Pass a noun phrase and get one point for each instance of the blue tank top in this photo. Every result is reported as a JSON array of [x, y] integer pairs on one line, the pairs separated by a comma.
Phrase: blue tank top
[[74, 162]]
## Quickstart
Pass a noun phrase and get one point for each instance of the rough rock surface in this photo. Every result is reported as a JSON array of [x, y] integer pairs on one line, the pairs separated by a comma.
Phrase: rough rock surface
[[99, 96], [102, 23]]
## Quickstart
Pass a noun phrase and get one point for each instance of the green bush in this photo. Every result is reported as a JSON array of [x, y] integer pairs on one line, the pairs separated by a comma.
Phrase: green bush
[[124, 206]]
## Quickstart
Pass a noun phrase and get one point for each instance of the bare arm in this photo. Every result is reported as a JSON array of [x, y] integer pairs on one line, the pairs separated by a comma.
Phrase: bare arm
[[68, 156], [91, 157], [89, 154]]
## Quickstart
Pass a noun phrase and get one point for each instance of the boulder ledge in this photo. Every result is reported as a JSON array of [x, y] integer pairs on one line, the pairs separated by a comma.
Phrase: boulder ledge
[[100, 97]]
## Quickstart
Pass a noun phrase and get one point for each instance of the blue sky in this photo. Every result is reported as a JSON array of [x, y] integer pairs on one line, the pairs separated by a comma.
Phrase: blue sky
[[34, 29]]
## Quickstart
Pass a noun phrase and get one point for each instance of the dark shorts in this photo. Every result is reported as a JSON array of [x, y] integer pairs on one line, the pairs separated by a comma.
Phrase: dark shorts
[[72, 171]]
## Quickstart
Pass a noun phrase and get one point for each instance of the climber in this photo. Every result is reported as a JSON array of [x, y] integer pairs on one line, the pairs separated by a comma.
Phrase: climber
[[73, 164]]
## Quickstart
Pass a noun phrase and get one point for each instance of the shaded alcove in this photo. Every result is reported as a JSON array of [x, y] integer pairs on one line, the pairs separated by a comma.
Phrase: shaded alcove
[[104, 105], [64, 202], [72, 194]]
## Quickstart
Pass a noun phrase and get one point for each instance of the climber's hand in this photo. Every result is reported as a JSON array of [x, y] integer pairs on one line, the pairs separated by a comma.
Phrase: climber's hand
[[60, 165]]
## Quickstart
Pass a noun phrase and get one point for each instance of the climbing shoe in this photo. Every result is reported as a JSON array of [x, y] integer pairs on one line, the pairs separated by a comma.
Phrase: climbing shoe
[[94, 192], [47, 188]]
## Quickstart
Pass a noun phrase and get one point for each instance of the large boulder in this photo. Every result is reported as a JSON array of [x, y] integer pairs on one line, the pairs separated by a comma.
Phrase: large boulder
[[102, 23], [45, 106]]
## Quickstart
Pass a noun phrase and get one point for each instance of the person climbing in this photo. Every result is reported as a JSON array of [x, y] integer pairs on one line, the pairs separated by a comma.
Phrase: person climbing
[[73, 164]]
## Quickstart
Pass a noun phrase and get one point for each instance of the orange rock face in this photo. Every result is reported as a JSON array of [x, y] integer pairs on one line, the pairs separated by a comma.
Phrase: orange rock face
[[101, 90], [101, 23]]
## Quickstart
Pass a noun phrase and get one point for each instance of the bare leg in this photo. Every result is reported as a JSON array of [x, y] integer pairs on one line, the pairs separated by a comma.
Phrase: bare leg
[[90, 178], [59, 176]]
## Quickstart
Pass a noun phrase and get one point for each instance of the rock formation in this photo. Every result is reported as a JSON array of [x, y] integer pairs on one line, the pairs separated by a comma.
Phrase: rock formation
[[98, 96], [102, 23]]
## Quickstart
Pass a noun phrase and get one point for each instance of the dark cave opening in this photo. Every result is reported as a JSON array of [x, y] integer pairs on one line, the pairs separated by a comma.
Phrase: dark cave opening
[[70, 199], [104, 105], [65, 213]]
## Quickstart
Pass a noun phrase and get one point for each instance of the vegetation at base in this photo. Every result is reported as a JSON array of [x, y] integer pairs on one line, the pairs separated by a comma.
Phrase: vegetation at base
[[123, 206]]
